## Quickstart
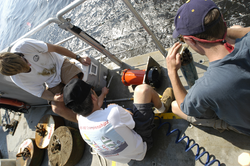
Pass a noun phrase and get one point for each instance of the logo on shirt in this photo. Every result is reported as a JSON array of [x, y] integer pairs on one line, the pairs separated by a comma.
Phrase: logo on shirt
[[105, 140], [36, 58]]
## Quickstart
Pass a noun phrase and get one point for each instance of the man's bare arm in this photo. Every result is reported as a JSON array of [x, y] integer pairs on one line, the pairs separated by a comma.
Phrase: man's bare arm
[[173, 65], [105, 91], [63, 51], [47, 95]]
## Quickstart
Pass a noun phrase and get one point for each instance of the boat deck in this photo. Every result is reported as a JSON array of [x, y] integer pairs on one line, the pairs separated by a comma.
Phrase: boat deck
[[224, 146]]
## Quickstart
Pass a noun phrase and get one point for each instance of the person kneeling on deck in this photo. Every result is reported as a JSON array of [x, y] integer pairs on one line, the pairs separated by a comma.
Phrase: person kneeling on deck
[[31, 63], [114, 132], [220, 98]]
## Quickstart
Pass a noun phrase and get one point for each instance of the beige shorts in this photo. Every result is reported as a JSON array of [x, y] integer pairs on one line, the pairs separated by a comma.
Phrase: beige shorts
[[216, 123], [68, 71]]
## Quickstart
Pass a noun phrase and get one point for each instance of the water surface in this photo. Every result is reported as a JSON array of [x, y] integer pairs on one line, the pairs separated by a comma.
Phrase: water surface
[[108, 21]]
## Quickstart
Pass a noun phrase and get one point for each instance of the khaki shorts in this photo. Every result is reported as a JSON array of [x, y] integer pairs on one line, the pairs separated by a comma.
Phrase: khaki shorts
[[216, 123], [68, 71]]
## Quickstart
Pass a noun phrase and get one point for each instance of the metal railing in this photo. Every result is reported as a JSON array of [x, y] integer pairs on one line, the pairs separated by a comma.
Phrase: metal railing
[[77, 32]]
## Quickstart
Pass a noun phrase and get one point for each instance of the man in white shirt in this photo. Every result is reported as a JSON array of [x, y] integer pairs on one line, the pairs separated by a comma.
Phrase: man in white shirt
[[32, 63], [114, 132]]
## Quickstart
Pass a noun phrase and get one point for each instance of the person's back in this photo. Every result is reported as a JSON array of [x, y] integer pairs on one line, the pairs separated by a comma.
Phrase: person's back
[[110, 133], [116, 133], [224, 89]]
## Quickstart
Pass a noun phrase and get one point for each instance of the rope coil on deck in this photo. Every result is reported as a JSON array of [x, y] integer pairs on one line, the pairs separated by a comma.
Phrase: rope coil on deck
[[187, 148]]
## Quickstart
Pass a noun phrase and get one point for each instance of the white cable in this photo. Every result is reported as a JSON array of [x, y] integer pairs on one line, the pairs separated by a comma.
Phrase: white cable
[[92, 151]]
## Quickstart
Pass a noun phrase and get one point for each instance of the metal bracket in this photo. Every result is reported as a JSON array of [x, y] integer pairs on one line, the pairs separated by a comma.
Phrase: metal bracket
[[1, 93], [10, 123], [66, 25]]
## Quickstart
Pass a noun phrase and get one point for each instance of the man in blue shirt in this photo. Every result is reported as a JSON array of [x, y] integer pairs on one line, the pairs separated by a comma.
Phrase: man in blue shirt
[[221, 95]]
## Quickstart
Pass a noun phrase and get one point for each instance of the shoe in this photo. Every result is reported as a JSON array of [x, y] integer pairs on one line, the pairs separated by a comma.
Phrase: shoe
[[167, 99]]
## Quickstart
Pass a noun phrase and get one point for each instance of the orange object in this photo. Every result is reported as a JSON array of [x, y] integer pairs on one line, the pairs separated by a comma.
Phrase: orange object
[[14, 102], [132, 77]]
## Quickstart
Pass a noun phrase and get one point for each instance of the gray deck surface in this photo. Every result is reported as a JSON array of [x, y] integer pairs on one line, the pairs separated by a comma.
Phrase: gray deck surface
[[225, 146]]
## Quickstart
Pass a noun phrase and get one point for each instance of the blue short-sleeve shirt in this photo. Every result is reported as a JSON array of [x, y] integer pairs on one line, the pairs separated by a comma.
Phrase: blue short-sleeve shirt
[[224, 89]]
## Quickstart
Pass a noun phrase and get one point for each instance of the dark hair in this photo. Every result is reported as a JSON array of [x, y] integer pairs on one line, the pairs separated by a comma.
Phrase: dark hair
[[85, 108], [215, 32]]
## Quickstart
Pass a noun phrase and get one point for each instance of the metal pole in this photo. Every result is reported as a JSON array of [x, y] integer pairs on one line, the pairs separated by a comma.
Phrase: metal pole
[[65, 24], [82, 35], [36, 29], [116, 100], [58, 21], [156, 41], [84, 49], [65, 40], [97, 46], [67, 9]]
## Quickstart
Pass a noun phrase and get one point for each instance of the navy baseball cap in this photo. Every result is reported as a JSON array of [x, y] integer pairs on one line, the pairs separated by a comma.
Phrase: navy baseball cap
[[75, 92], [189, 19]]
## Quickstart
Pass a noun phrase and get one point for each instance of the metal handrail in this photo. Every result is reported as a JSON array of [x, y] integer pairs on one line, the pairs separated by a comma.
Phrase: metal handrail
[[76, 31], [36, 29], [65, 40], [67, 9]]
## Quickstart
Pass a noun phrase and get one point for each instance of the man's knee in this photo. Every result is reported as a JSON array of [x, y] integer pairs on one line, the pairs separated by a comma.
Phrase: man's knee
[[175, 107], [142, 89]]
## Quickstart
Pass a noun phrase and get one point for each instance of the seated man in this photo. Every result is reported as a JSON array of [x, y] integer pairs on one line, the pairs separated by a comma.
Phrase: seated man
[[219, 99], [32, 63], [114, 132]]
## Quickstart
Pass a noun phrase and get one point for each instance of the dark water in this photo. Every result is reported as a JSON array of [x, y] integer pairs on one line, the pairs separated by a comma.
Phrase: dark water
[[108, 21]]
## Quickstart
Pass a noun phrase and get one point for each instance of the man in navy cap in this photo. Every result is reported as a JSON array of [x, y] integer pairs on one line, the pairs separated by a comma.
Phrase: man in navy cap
[[221, 96]]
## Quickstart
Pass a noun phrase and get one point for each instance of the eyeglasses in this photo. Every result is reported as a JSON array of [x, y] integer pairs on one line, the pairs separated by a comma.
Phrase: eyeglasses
[[22, 56], [181, 39]]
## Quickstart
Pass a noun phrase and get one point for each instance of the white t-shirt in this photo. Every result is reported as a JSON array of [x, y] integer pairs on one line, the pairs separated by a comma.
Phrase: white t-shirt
[[110, 133], [45, 66]]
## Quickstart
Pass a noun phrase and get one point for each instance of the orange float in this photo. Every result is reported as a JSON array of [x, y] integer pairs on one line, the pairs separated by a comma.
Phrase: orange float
[[132, 77]]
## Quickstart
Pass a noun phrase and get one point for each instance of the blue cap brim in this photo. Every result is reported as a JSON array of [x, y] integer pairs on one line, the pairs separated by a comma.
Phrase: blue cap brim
[[175, 34]]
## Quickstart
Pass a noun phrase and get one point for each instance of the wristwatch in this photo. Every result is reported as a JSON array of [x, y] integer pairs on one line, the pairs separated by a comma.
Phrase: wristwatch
[[78, 57]]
